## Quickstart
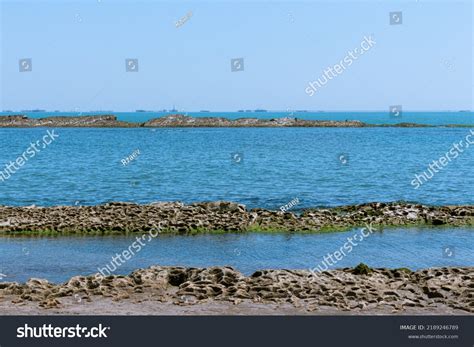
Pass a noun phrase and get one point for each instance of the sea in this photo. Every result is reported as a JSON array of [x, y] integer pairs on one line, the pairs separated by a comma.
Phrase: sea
[[258, 167]]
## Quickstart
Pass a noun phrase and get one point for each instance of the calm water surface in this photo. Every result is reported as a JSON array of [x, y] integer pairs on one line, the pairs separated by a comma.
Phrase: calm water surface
[[83, 166], [57, 259]]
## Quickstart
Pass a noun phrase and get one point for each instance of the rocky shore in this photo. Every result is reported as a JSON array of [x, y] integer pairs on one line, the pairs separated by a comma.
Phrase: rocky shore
[[179, 121], [176, 217], [358, 291], [176, 121], [105, 121]]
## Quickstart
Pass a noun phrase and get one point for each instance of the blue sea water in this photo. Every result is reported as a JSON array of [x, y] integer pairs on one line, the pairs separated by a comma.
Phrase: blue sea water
[[23, 258], [371, 117], [319, 166]]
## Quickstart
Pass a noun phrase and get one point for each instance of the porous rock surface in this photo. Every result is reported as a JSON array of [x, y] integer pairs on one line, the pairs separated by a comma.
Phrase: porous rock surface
[[21, 121], [345, 289], [180, 120], [222, 215]]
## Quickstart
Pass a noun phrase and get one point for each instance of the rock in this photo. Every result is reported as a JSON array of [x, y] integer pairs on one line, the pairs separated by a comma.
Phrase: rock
[[362, 269], [180, 120], [343, 289], [173, 217], [177, 277], [50, 303], [63, 121]]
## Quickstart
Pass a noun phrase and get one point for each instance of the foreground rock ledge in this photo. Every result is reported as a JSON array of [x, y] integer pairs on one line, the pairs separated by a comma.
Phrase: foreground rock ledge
[[222, 216], [445, 290], [179, 120]]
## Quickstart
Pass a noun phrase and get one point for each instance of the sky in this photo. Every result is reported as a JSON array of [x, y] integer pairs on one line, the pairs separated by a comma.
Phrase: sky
[[78, 52]]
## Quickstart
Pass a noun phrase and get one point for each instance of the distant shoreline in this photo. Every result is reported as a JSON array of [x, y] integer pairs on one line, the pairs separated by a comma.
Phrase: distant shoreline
[[183, 121]]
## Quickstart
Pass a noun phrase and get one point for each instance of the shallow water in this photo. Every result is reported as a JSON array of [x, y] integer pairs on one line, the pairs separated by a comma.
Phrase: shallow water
[[58, 259], [83, 166]]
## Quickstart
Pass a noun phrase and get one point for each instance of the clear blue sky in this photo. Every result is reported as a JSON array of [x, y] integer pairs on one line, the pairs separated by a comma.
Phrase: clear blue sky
[[78, 50]]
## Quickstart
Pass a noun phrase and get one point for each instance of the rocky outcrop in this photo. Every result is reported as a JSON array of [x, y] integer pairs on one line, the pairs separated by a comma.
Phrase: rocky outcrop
[[406, 125], [186, 121], [347, 289], [181, 121], [105, 121], [222, 216]]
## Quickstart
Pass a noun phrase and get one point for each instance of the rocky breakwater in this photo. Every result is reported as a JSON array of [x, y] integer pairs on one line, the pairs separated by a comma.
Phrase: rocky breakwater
[[222, 216], [103, 121], [183, 121], [179, 120], [446, 290]]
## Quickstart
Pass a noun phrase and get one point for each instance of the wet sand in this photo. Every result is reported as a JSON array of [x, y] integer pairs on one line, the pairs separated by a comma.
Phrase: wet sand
[[224, 291], [145, 306]]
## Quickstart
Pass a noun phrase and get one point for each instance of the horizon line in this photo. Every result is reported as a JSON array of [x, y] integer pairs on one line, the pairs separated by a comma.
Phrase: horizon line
[[259, 110]]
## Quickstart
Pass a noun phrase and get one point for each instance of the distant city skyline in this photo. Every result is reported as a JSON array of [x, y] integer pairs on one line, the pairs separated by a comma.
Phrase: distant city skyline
[[227, 56]]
